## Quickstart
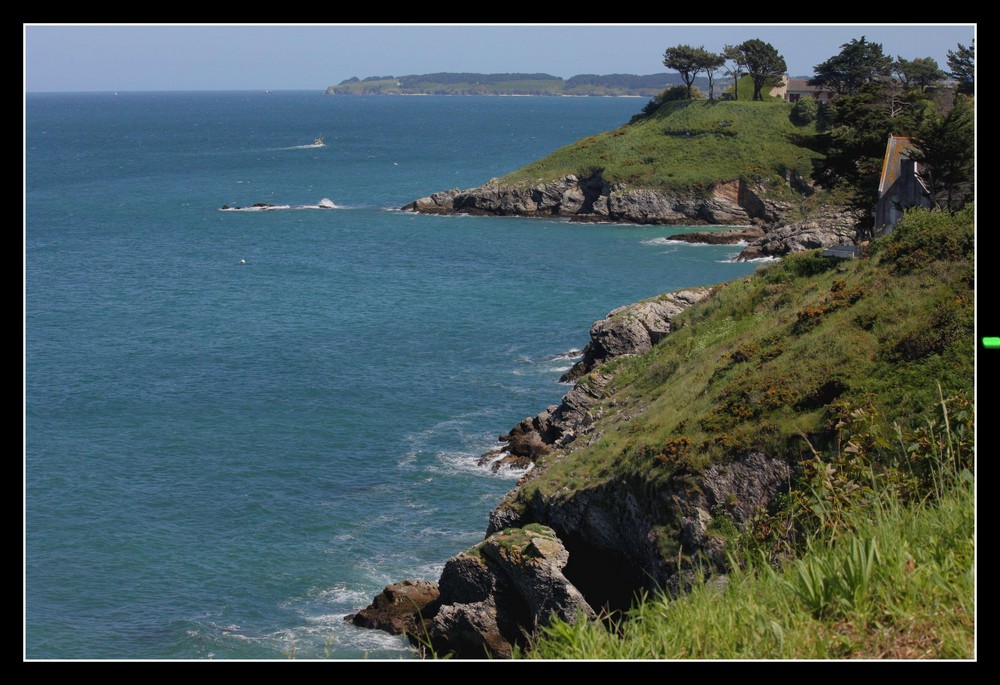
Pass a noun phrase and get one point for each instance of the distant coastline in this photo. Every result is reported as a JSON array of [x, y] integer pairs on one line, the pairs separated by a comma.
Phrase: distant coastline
[[514, 84]]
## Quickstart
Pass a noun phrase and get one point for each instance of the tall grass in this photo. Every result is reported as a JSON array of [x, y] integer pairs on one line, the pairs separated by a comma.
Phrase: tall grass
[[895, 578]]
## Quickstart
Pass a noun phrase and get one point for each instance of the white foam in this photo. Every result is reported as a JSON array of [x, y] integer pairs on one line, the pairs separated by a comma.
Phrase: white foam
[[732, 259], [325, 203]]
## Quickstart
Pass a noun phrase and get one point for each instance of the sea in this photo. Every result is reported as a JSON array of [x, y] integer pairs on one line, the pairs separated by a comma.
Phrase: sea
[[241, 424]]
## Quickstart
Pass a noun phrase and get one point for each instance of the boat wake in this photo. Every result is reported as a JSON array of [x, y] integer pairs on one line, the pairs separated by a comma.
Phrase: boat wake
[[325, 203], [311, 146]]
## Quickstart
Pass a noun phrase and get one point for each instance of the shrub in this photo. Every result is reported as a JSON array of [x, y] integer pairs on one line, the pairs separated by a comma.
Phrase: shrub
[[927, 235], [805, 111]]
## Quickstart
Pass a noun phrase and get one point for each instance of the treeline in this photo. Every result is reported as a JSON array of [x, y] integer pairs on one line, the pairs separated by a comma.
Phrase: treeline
[[465, 83], [875, 96]]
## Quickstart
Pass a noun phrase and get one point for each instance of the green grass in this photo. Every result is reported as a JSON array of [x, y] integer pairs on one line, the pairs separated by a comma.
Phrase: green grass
[[841, 367], [901, 587], [687, 146], [784, 354]]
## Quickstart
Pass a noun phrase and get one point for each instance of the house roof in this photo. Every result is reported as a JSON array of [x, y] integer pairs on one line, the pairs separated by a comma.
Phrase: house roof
[[895, 149], [801, 85]]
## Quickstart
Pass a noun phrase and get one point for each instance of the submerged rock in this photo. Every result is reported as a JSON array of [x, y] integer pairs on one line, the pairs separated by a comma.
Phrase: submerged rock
[[730, 237]]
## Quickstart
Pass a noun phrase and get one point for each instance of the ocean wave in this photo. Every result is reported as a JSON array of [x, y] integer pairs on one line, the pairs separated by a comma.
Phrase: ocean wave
[[731, 259], [571, 355], [679, 243], [464, 462]]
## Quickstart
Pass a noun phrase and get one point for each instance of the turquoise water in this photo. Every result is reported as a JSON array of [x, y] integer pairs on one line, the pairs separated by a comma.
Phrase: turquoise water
[[241, 425]]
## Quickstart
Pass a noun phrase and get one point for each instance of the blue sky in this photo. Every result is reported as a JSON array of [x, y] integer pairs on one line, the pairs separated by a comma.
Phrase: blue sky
[[311, 57]]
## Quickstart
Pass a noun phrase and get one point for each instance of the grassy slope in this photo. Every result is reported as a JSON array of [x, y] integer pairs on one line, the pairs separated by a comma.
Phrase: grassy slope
[[687, 145], [917, 601], [786, 355], [782, 354]]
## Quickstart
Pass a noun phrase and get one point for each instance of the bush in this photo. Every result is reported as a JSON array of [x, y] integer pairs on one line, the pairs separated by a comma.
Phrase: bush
[[927, 235], [675, 93], [805, 111]]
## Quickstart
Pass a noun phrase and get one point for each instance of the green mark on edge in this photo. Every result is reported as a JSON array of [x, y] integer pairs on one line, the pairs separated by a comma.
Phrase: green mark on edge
[[991, 343]]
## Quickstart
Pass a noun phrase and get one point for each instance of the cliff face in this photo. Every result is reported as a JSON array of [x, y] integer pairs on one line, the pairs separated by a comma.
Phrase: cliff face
[[594, 548], [731, 203], [593, 199]]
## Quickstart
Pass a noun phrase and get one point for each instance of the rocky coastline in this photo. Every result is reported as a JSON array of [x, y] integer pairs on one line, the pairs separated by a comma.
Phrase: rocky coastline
[[579, 556], [589, 551], [764, 224]]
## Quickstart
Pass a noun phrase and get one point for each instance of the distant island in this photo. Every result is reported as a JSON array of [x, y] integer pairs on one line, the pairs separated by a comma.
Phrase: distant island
[[511, 84]]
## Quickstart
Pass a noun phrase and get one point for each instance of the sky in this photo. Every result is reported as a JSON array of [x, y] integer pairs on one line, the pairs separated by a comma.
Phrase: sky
[[121, 57]]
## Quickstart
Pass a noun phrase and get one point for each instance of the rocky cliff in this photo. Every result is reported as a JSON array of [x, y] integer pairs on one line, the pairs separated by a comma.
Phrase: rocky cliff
[[594, 199], [566, 556], [734, 203], [829, 227]]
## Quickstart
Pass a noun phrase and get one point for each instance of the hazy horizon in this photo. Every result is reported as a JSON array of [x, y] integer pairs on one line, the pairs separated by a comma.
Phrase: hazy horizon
[[82, 58]]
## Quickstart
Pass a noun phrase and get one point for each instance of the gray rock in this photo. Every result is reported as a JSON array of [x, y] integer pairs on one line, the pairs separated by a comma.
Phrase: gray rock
[[633, 329], [593, 199], [730, 237], [827, 228]]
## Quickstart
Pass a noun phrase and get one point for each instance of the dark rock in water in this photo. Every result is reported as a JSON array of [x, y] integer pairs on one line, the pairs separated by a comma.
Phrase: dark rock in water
[[731, 237], [490, 597], [398, 608], [497, 594]]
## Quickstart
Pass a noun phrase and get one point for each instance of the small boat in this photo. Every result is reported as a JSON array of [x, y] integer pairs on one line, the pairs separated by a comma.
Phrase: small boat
[[318, 142]]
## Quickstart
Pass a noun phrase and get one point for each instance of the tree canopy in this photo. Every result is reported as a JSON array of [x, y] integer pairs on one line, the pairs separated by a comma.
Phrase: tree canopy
[[734, 65], [686, 60], [945, 147], [921, 72], [859, 62], [763, 64], [962, 63], [711, 62]]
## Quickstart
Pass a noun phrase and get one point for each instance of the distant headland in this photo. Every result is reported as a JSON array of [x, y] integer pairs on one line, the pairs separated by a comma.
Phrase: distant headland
[[510, 84]]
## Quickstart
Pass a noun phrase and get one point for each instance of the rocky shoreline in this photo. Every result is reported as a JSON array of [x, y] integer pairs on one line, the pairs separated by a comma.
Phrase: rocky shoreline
[[573, 557], [763, 223], [591, 550]]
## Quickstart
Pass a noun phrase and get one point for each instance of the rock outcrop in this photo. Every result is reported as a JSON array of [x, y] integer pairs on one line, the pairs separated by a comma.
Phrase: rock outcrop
[[398, 608], [733, 236], [629, 330], [614, 529], [633, 329], [594, 199], [728, 203], [827, 228], [492, 597]]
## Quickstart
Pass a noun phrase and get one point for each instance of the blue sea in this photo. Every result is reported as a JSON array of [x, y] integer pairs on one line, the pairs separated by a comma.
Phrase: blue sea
[[241, 425]]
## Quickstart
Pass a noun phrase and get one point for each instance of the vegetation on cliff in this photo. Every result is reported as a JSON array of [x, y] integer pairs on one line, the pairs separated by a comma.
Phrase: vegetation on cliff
[[859, 375], [686, 146]]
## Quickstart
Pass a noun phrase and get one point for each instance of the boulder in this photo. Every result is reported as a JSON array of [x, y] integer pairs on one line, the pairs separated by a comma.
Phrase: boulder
[[496, 594], [397, 609], [633, 329]]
